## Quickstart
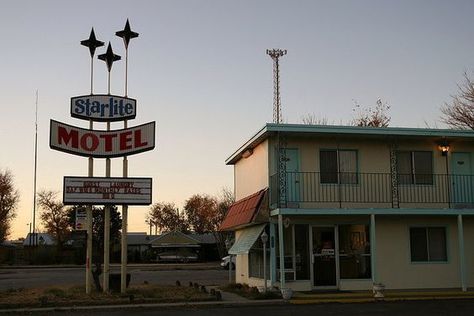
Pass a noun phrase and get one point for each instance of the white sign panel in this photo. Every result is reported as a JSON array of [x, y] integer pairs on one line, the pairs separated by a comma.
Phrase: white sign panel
[[103, 107], [98, 191], [81, 219], [101, 144]]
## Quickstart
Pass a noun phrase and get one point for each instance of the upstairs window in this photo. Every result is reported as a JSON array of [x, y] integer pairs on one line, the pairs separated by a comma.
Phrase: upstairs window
[[415, 167], [338, 166]]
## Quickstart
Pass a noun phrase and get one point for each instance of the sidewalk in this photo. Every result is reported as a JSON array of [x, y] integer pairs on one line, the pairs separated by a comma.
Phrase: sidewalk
[[228, 300]]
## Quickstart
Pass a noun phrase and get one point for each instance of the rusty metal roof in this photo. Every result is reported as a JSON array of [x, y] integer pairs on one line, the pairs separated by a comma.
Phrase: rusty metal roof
[[243, 212]]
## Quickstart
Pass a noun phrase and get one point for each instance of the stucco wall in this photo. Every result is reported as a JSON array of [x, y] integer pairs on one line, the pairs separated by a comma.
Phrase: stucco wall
[[241, 264], [394, 266], [251, 174], [469, 248]]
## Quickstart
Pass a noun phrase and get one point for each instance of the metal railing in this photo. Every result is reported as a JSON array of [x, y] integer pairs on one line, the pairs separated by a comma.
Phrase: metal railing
[[374, 189]]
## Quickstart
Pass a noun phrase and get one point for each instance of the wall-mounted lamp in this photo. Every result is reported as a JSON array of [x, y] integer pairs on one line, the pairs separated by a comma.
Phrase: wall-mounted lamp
[[444, 148], [247, 153]]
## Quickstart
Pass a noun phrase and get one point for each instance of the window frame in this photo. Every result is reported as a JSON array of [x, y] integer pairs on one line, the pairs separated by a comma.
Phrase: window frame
[[413, 173], [338, 164], [429, 260]]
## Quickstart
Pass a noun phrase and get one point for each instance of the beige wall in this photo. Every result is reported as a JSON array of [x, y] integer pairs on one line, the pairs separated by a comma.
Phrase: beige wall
[[393, 259], [394, 266], [251, 174], [469, 248]]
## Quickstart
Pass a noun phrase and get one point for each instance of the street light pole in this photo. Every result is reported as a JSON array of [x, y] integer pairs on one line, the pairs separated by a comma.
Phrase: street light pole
[[264, 238], [228, 244]]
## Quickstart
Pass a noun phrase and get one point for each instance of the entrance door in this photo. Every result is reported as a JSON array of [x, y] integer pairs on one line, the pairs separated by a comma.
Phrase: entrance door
[[324, 257], [292, 177], [461, 179]]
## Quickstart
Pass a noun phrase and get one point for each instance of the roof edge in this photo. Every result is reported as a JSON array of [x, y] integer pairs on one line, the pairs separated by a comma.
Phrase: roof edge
[[270, 128]]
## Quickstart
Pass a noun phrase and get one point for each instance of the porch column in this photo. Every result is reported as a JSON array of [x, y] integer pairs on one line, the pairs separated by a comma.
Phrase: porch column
[[462, 259], [273, 272], [373, 248], [282, 251]]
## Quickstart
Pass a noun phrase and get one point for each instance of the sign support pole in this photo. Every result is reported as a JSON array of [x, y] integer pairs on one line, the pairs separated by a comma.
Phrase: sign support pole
[[124, 252], [107, 230], [92, 43], [90, 173]]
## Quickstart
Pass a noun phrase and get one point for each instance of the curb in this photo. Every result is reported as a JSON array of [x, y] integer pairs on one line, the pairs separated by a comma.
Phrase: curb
[[351, 300], [151, 305]]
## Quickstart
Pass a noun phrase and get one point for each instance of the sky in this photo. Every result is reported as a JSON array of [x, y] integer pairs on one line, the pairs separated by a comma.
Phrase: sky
[[199, 69]]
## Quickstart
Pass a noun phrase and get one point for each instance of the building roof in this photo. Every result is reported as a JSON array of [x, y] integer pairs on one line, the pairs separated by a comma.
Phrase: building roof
[[271, 129], [207, 238], [139, 238], [174, 239], [242, 212]]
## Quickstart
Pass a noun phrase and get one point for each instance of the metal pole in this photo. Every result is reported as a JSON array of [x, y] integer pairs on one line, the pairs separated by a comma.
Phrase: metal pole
[[373, 249], [89, 217], [35, 241], [107, 227], [265, 267], [230, 268], [282, 251], [123, 268]]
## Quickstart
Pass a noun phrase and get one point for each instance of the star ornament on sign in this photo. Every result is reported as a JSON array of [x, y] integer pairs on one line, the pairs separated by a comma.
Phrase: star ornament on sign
[[92, 43], [109, 57], [126, 34]]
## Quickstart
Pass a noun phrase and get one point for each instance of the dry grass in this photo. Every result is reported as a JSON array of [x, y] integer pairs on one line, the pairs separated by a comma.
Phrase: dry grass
[[76, 296]]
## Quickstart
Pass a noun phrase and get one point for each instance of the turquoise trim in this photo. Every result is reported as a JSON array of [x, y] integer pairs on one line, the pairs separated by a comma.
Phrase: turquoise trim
[[369, 211], [270, 129], [462, 257], [357, 130], [373, 249], [273, 272]]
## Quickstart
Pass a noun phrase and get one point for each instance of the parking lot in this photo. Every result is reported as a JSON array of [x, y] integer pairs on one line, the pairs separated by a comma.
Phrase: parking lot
[[205, 274]]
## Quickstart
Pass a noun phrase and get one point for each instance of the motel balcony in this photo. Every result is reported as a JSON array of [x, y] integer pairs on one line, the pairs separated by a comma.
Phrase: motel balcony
[[371, 190]]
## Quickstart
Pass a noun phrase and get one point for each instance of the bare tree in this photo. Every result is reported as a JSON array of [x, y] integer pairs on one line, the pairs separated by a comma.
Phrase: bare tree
[[54, 216], [9, 198], [167, 217], [224, 201], [460, 112], [372, 116], [312, 119]]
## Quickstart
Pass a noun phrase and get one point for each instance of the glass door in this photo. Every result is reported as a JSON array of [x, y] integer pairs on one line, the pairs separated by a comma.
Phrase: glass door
[[324, 257]]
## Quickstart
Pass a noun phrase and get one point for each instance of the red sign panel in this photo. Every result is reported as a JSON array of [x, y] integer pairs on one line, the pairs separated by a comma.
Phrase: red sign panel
[[101, 144]]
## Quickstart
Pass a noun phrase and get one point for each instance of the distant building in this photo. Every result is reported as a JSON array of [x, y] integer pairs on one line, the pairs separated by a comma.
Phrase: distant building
[[42, 239], [171, 247]]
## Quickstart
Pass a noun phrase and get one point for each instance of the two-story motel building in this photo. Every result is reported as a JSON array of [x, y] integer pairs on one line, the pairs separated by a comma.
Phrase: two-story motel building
[[352, 206]]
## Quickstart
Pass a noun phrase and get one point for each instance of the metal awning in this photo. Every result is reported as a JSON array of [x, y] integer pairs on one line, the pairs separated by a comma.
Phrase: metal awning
[[247, 238]]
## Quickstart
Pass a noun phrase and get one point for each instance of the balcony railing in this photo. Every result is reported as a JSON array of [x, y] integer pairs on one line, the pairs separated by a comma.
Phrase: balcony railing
[[372, 190]]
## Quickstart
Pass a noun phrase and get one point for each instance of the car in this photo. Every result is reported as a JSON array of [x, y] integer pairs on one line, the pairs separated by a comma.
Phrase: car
[[225, 262]]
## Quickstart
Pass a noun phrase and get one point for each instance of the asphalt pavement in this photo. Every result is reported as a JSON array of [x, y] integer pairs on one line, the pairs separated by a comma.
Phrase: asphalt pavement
[[404, 308], [25, 277]]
